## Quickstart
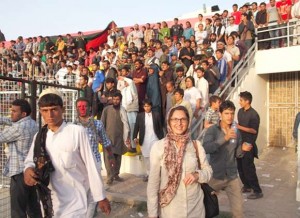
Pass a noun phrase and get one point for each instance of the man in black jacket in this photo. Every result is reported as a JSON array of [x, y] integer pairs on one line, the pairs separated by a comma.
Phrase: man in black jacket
[[148, 126]]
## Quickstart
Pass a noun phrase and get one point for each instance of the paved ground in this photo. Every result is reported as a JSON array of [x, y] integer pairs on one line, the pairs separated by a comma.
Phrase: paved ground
[[277, 171]]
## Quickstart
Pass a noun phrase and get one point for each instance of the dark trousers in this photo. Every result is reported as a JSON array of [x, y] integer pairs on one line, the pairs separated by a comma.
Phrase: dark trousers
[[23, 198], [247, 171], [112, 171]]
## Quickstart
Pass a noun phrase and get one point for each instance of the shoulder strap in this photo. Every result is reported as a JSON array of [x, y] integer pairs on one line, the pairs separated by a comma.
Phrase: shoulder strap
[[197, 153]]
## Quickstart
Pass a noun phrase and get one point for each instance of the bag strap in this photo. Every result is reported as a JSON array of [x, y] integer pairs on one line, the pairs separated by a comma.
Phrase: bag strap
[[197, 153]]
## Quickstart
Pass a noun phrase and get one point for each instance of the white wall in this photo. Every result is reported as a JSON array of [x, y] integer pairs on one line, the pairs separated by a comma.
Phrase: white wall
[[277, 60], [257, 85]]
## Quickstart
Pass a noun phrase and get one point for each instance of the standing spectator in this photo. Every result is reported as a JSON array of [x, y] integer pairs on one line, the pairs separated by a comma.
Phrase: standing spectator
[[170, 100], [156, 31], [192, 95], [29, 45], [233, 50], [212, 73], [148, 34], [296, 126], [60, 43], [273, 20], [284, 10], [60, 76], [86, 91], [114, 119], [35, 45], [139, 76], [186, 54], [223, 153], [129, 100], [248, 120], [180, 78], [70, 43], [188, 31], [20, 46], [232, 27], [202, 86], [18, 135], [200, 21], [137, 36], [149, 129], [80, 41], [49, 45], [219, 30], [261, 20], [153, 91], [175, 177], [222, 66], [42, 43], [165, 75], [164, 31], [176, 30], [178, 97], [200, 35], [212, 116], [111, 37], [236, 14], [96, 134], [296, 14], [246, 30], [97, 86], [66, 146], [225, 19]]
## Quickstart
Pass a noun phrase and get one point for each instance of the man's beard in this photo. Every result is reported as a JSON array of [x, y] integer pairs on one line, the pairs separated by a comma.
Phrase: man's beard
[[116, 106]]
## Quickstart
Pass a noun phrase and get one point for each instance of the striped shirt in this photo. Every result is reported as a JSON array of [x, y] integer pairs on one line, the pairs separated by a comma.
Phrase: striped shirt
[[18, 136]]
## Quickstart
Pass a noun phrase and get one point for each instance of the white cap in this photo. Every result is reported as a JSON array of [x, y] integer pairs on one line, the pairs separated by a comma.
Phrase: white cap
[[51, 91]]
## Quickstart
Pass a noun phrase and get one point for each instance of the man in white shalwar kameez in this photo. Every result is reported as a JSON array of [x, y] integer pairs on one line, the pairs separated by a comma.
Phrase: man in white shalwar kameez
[[75, 171]]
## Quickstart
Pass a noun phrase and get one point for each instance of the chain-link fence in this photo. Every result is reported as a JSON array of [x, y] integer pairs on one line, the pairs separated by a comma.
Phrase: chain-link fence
[[11, 89]]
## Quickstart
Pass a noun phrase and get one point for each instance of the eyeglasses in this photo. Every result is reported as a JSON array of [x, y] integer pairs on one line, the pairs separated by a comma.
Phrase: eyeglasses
[[181, 120]]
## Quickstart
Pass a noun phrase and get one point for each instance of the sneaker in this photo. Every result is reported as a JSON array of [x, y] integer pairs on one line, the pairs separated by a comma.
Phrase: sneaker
[[118, 178], [255, 195], [246, 190]]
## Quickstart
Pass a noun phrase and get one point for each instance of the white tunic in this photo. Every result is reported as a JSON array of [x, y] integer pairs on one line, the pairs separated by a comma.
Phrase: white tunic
[[75, 171], [150, 136]]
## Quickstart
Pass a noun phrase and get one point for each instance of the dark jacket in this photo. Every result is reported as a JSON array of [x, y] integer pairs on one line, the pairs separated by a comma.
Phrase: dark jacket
[[139, 126], [223, 153]]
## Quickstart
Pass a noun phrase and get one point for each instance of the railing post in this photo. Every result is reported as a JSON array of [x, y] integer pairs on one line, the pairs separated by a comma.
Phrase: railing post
[[288, 34], [33, 97]]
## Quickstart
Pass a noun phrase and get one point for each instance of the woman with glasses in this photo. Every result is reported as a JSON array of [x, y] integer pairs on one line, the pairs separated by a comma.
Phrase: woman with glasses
[[174, 188]]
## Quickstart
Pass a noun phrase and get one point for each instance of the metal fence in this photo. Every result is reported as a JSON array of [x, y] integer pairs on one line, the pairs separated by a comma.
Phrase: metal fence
[[11, 89]]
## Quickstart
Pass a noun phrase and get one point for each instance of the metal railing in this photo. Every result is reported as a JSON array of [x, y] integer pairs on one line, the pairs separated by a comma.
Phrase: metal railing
[[15, 88], [283, 32]]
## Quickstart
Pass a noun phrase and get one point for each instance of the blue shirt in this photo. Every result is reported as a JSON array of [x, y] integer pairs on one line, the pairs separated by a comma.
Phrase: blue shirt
[[98, 80], [96, 134], [18, 136]]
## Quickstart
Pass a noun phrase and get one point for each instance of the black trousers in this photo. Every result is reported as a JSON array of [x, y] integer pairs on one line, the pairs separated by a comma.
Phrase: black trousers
[[247, 171], [23, 199], [112, 171]]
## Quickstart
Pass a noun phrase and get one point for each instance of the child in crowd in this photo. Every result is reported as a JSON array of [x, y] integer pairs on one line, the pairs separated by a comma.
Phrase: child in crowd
[[149, 128], [212, 115]]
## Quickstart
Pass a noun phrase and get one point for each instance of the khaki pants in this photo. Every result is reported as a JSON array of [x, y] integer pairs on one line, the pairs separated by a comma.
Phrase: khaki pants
[[233, 191]]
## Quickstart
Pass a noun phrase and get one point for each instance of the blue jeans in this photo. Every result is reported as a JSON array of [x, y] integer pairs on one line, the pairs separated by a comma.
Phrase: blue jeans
[[273, 34]]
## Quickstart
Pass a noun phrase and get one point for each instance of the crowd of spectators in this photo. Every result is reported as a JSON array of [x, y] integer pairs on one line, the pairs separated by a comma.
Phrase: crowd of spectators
[[204, 53]]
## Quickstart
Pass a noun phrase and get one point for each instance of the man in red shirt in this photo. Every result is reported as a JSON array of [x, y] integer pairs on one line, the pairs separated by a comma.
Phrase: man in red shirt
[[284, 11], [236, 14]]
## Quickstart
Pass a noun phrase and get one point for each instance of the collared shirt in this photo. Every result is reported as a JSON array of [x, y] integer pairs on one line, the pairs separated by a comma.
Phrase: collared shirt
[[18, 136], [212, 116], [222, 153], [96, 134]]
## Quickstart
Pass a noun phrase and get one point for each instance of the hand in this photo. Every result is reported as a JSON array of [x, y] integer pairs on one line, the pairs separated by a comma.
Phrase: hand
[[127, 142], [230, 134], [104, 206], [112, 162], [246, 147], [161, 73], [135, 140], [191, 178], [30, 177]]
